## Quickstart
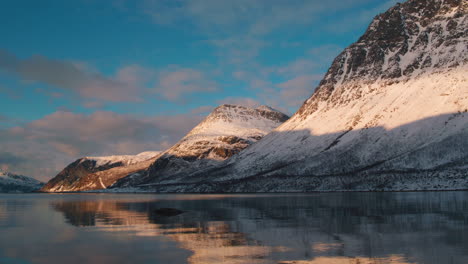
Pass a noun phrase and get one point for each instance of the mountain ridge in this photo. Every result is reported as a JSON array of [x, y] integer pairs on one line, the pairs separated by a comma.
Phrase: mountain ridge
[[390, 114], [94, 173], [13, 183]]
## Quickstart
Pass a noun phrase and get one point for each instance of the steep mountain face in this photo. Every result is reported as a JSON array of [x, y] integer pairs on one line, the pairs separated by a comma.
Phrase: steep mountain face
[[409, 40], [390, 114], [225, 132], [13, 183], [94, 173]]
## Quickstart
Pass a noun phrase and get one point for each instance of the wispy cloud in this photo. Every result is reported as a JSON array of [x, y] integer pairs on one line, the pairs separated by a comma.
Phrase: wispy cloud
[[242, 32], [130, 83], [240, 29], [205, 110], [253, 17], [287, 86], [68, 76], [9, 160], [238, 50], [244, 101], [296, 90], [11, 93], [362, 19], [176, 84]]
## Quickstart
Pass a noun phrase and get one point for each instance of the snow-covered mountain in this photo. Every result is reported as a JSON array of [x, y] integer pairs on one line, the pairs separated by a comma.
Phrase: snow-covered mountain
[[12, 183], [223, 133], [390, 114], [94, 173]]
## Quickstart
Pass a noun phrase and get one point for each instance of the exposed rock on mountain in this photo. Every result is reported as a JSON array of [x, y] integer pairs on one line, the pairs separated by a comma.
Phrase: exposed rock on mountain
[[13, 183], [94, 173], [390, 114], [225, 132]]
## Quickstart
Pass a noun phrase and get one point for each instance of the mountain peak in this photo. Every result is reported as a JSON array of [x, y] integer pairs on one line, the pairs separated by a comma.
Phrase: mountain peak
[[226, 131], [236, 119], [232, 113], [266, 108], [409, 40]]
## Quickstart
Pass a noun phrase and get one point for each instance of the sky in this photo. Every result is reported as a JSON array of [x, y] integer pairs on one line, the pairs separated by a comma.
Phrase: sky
[[102, 77]]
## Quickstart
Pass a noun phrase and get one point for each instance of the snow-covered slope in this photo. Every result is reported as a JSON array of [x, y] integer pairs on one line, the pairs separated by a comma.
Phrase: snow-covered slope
[[10, 182], [225, 132], [390, 114], [124, 160], [93, 173]]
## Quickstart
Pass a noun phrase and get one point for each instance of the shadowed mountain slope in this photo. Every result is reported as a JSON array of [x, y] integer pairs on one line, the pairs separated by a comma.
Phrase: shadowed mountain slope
[[390, 114]]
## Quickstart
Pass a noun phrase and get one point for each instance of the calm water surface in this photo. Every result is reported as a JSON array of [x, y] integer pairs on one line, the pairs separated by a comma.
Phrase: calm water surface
[[421, 227]]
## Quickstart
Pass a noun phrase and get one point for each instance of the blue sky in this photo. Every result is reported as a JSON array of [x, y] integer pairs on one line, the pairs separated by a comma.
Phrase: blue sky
[[158, 65]]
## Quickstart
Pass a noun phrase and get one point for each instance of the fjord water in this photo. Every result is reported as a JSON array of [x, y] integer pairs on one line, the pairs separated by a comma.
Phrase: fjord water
[[406, 227]]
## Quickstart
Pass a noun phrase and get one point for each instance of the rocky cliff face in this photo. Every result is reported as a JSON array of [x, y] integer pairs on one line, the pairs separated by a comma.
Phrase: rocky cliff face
[[225, 132], [410, 39], [390, 114], [94, 173], [13, 183]]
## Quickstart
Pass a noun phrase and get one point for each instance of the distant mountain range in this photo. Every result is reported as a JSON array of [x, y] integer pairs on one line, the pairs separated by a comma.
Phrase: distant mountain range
[[391, 113], [13, 183]]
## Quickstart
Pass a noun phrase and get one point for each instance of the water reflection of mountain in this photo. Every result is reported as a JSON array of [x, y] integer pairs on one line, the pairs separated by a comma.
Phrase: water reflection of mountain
[[340, 227]]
